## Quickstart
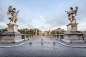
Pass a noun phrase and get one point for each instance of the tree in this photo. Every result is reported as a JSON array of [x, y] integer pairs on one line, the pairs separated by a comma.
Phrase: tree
[[52, 32], [37, 31], [2, 30], [28, 31], [47, 32], [57, 32]]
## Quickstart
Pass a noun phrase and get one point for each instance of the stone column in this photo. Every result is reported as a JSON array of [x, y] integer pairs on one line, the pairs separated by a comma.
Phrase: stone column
[[56, 36], [36, 32], [59, 37], [30, 41], [25, 36], [41, 41], [49, 32]]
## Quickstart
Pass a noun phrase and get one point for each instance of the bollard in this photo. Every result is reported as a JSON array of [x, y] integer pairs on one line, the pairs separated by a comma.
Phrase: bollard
[[54, 42], [30, 42], [41, 41]]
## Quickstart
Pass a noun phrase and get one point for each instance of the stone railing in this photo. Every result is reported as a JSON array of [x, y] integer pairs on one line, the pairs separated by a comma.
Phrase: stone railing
[[58, 36], [84, 37], [26, 36], [22, 37], [0, 38]]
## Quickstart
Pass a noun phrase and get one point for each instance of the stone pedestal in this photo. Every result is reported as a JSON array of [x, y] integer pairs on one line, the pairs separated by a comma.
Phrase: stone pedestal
[[72, 27], [72, 35], [12, 35], [12, 28]]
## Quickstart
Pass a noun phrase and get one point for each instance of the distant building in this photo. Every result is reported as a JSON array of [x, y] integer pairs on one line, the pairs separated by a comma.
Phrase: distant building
[[84, 32], [63, 31], [40, 33], [59, 30], [45, 33]]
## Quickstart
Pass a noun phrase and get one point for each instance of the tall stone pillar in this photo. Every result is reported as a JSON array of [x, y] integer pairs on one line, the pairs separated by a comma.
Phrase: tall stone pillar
[[49, 32], [36, 32]]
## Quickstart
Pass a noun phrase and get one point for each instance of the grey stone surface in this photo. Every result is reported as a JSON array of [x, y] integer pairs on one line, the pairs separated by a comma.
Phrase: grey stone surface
[[36, 49], [84, 37], [73, 37], [11, 44], [76, 45], [10, 37], [12, 28], [72, 27]]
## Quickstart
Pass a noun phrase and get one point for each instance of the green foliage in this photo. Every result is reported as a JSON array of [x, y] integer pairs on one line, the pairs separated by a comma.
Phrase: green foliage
[[23, 31], [28, 31], [62, 32], [57, 32], [2, 30], [52, 32], [48, 33]]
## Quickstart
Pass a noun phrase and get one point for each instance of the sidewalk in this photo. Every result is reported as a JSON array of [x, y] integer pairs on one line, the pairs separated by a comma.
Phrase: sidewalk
[[75, 45], [4, 45]]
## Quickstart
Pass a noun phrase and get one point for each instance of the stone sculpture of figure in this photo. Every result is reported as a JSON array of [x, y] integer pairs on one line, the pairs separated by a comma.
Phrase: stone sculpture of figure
[[70, 13], [13, 13]]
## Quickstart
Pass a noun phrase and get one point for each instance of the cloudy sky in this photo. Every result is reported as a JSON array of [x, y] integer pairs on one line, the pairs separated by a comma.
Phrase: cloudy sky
[[43, 14]]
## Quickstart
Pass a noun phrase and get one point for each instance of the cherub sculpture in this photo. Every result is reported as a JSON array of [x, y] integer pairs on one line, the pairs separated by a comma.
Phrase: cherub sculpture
[[13, 13], [70, 13]]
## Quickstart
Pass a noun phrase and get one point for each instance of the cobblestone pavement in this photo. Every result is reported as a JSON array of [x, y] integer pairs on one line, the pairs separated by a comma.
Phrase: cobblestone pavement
[[75, 45], [80, 45], [47, 49], [12, 44]]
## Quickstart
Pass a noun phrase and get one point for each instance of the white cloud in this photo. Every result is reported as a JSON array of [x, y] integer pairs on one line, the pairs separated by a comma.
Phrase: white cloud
[[27, 18], [59, 17]]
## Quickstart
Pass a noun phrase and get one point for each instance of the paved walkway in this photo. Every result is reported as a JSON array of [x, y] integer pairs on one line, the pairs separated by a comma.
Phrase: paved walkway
[[47, 49], [76, 45], [5, 45]]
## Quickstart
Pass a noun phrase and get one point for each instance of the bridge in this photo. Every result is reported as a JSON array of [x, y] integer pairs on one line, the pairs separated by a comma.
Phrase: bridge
[[37, 49]]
